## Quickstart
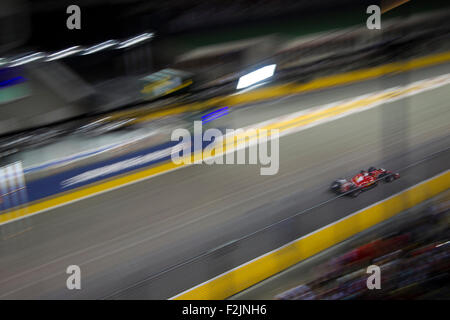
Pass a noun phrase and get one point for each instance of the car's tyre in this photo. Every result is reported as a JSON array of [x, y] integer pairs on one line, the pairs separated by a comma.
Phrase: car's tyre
[[371, 169], [389, 178]]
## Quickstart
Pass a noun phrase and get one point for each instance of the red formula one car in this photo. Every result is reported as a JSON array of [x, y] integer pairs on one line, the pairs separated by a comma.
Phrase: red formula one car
[[364, 180]]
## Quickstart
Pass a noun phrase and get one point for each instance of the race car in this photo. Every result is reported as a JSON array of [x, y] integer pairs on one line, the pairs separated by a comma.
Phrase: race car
[[363, 181]]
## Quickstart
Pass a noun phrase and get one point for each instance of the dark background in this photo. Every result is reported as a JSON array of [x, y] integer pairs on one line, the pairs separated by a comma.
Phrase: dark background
[[105, 19]]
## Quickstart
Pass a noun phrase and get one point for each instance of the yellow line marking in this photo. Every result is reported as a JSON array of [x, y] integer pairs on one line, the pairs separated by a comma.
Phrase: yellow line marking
[[85, 192], [265, 266], [335, 110]]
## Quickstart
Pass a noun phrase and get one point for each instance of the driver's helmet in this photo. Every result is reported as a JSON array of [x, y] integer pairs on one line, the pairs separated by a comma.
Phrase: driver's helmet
[[364, 172]]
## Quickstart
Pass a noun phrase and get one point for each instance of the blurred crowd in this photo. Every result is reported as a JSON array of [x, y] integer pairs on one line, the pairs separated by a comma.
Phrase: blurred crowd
[[414, 264]]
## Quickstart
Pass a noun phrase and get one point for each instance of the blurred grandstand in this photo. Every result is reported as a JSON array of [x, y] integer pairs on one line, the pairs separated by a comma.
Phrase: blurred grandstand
[[414, 263]]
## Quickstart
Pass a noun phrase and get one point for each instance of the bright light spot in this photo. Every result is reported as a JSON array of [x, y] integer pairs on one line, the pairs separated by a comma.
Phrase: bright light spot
[[100, 46], [256, 76], [64, 53], [135, 40], [27, 59]]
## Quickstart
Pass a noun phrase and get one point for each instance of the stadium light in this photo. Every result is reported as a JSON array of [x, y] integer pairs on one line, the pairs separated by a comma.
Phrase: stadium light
[[256, 76], [135, 40], [100, 46], [27, 59], [64, 53], [75, 50]]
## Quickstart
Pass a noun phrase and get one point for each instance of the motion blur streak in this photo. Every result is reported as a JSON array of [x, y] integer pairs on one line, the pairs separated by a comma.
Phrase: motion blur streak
[[387, 5]]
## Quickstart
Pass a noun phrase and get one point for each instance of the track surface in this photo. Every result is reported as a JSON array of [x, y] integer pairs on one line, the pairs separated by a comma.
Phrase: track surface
[[306, 270], [122, 237]]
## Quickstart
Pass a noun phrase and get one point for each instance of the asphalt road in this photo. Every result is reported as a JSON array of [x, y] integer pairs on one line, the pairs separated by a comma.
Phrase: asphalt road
[[127, 240]]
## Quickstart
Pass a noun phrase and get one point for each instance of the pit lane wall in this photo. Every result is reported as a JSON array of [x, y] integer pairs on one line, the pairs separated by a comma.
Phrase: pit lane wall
[[271, 263]]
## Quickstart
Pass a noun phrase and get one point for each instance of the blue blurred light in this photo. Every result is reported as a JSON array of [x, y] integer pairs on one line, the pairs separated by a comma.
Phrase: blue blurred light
[[11, 82], [215, 115]]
